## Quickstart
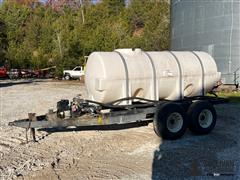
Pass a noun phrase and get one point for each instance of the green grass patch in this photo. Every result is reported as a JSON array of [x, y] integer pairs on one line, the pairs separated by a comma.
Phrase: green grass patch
[[232, 96]]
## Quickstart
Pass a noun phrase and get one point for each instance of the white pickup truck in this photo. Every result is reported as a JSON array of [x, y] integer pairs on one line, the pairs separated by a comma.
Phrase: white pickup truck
[[76, 73]]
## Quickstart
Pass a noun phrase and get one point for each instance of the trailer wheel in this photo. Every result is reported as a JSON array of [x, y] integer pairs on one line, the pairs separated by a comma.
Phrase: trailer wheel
[[202, 117], [170, 121]]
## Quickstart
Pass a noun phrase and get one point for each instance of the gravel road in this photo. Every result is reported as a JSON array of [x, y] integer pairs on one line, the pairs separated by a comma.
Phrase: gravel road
[[135, 153]]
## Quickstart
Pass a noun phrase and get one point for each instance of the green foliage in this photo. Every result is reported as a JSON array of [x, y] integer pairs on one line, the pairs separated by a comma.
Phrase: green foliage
[[40, 36], [231, 96], [3, 42]]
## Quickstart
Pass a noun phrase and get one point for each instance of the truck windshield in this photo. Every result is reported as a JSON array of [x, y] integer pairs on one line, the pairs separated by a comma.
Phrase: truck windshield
[[77, 69]]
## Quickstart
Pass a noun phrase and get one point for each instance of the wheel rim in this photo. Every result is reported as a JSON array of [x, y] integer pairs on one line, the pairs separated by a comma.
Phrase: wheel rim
[[67, 77], [174, 122], [205, 118]]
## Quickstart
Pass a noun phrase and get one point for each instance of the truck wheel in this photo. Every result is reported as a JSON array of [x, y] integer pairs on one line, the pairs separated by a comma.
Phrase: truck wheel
[[67, 77], [202, 117], [170, 121]]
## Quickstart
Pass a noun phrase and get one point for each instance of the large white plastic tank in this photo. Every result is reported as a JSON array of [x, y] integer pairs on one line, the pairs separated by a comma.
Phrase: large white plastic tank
[[151, 75]]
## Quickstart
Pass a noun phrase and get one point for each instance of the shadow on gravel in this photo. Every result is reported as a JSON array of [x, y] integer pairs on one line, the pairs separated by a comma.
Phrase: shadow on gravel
[[234, 99], [190, 158], [19, 82], [96, 127], [13, 83]]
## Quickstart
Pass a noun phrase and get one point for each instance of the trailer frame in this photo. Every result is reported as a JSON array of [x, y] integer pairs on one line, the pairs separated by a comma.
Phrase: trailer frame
[[109, 115]]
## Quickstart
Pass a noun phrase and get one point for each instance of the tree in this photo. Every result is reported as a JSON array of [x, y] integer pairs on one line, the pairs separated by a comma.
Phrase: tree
[[3, 43], [61, 33], [15, 16]]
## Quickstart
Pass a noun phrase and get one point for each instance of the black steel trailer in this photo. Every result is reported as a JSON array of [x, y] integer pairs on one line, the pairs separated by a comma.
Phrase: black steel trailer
[[170, 118]]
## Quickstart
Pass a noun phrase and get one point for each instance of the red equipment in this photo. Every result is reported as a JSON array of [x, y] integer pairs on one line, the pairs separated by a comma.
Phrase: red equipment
[[3, 72]]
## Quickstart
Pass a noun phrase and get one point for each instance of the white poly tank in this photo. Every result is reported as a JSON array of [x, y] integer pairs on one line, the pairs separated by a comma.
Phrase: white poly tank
[[151, 75]]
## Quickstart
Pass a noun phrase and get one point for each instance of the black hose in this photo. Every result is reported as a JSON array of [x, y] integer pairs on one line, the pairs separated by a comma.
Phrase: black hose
[[213, 93], [112, 106], [151, 103], [132, 98], [95, 102]]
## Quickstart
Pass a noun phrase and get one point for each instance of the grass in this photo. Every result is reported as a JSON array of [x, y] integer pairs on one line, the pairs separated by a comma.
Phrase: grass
[[232, 96]]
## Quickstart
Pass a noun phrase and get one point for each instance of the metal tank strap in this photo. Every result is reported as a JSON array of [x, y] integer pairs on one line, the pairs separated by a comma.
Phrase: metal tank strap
[[126, 73], [154, 74], [203, 71], [180, 74]]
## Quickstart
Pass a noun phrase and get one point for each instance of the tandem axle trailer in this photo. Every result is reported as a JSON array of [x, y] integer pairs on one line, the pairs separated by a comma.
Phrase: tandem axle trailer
[[170, 118]]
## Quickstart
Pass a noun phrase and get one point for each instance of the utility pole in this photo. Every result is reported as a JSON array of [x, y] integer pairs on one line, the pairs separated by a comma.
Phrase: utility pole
[[83, 19]]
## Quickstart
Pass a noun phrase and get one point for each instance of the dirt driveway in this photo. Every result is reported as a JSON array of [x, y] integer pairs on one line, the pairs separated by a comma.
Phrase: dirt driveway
[[135, 153]]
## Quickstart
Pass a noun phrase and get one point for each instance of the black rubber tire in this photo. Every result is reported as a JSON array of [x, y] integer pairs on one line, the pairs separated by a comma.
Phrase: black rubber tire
[[193, 114], [162, 113], [67, 77]]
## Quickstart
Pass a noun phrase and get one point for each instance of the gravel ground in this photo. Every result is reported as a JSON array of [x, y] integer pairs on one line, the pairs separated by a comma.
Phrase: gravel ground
[[135, 153]]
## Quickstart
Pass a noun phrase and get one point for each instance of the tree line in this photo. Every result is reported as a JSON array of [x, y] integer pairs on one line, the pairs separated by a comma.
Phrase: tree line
[[35, 35]]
